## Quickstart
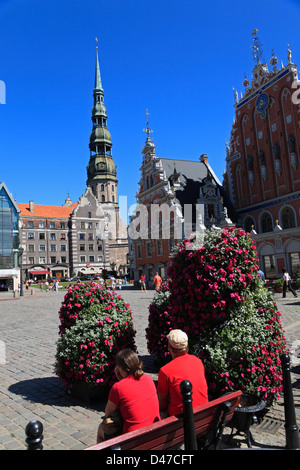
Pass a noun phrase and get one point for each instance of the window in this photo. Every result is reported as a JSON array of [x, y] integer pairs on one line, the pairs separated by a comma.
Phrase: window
[[295, 264], [102, 198], [63, 248], [288, 218], [82, 224], [90, 236], [266, 223], [52, 225], [81, 247], [53, 259], [91, 247], [42, 236], [148, 249], [91, 259], [139, 251], [239, 182], [62, 225], [31, 260], [63, 259], [248, 224], [52, 236], [30, 235], [42, 260], [90, 225], [52, 247], [89, 215], [41, 225], [159, 247], [62, 236], [100, 258], [269, 266], [81, 236], [210, 210], [82, 259], [42, 248], [30, 224], [30, 247]]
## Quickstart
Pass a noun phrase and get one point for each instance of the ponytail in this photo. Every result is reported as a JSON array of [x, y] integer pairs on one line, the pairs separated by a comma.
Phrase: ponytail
[[128, 360]]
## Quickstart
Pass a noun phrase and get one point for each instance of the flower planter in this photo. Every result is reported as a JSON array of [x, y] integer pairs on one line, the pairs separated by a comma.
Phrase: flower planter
[[246, 414], [88, 393]]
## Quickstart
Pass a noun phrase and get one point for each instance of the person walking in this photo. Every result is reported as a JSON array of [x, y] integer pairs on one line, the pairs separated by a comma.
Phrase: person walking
[[157, 281], [262, 276], [287, 283]]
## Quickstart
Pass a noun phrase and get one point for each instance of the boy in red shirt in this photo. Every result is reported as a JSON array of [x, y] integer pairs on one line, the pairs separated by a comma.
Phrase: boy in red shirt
[[183, 366]]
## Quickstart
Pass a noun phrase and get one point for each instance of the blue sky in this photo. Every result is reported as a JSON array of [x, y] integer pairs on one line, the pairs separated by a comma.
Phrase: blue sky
[[177, 58]]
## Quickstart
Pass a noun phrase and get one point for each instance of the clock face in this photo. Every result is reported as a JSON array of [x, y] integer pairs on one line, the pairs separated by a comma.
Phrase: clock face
[[261, 104]]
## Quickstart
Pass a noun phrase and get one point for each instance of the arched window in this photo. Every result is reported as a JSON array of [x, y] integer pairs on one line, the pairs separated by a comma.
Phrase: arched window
[[103, 198], [248, 224], [288, 218], [266, 223], [239, 182], [102, 187]]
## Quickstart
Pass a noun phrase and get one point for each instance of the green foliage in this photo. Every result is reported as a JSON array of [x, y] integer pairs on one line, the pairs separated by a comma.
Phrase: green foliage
[[217, 298], [95, 324]]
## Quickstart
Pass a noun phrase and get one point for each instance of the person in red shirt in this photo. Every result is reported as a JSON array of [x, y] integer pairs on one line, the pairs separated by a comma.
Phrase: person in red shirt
[[157, 281], [183, 366], [134, 395]]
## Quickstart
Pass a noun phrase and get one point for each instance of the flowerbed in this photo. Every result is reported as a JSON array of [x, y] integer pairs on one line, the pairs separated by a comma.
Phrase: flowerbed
[[233, 324], [96, 323]]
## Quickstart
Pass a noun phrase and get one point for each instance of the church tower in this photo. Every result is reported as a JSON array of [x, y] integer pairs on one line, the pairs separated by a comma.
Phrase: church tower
[[101, 170], [102, 181]]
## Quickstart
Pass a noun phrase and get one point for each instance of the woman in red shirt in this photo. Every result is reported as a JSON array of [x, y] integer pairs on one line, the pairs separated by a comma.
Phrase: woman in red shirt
[[134, 395]]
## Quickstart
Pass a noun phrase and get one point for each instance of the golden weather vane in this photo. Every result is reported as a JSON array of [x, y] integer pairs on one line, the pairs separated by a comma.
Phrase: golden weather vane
[[96, 39]]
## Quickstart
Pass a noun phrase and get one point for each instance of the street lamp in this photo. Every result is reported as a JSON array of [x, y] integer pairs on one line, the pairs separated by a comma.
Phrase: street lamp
[[21, 251]]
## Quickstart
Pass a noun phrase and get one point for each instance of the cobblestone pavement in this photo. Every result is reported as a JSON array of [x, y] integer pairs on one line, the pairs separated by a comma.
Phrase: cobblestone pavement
[[30, 390]]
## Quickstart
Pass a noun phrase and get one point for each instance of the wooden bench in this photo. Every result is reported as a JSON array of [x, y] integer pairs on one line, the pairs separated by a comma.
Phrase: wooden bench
[[170, 433]]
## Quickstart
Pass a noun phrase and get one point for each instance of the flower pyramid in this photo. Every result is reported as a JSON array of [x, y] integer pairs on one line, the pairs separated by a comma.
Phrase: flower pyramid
[[95, 323], [216, 296]]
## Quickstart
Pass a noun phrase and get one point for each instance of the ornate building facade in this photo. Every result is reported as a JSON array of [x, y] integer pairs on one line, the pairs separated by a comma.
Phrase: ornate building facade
[[262, 174], [175, 198]]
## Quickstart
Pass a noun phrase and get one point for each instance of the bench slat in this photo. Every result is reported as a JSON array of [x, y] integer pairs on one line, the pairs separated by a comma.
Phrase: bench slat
[[169, 433]]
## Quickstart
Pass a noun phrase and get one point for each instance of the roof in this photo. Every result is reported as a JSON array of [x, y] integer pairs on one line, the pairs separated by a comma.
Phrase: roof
[[54, 212], [9, 195], [189, 169]]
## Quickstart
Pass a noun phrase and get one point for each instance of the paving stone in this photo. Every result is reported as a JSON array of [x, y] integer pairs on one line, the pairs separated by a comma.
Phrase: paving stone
[[29, 389]]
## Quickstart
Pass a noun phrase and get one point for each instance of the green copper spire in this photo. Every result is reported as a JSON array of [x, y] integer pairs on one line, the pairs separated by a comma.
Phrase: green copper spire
[[98, 84], [101, 170]]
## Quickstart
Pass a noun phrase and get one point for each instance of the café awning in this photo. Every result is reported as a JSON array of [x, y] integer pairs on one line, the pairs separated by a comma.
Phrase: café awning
[[39, 272]]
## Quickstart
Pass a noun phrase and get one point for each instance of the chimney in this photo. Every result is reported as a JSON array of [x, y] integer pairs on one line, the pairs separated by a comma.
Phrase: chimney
[[31, 206], [203, 158]]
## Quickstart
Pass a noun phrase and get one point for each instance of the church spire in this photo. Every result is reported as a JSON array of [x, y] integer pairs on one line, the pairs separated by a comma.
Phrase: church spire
[[101, 170], [98, 84]]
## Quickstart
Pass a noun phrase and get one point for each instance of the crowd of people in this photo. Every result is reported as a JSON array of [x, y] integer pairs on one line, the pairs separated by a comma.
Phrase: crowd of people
[[135, 402]]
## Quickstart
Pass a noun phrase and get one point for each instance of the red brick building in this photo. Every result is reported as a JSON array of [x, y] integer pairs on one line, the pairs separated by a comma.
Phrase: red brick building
[[262, 175]]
